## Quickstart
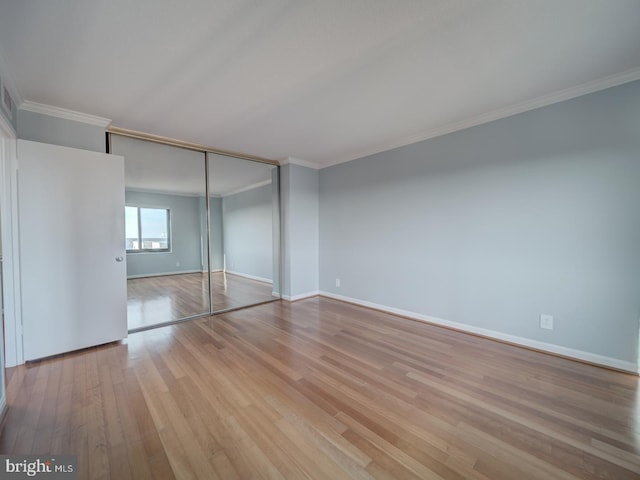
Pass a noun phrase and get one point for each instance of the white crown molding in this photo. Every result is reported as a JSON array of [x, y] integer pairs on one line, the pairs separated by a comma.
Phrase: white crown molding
[[301, 163], [581, 355], [543, 101], [248, 187], [65, 114], [189, 194], [163, 192]]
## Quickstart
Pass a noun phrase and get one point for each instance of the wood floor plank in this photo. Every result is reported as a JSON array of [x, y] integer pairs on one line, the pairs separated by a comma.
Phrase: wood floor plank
[[154, 300], [321, 389]]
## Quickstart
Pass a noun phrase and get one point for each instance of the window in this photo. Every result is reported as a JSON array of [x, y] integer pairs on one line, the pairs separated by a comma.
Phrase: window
[[147, 229]]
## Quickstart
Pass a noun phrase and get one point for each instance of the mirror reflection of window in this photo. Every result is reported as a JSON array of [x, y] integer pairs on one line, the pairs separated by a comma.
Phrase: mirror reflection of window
[[147, 229]]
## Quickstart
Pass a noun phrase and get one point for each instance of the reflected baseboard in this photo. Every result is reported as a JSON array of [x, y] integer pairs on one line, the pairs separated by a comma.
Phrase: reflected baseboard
[[163, 274], [250, 277], [301, 296]]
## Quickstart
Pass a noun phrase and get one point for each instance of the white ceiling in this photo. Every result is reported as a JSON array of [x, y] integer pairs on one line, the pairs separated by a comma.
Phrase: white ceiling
[[320, 80]]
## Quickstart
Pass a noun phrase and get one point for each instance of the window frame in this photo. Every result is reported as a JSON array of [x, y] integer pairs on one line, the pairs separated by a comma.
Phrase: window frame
[[169, 233]]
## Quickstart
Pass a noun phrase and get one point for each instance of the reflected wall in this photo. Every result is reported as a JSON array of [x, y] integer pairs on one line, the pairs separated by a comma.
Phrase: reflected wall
[[243, 218]]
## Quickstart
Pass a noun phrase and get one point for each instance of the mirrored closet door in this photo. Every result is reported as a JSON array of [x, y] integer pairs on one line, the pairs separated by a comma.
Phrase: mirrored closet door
[[166, 232], [202, 232], [244, 227]]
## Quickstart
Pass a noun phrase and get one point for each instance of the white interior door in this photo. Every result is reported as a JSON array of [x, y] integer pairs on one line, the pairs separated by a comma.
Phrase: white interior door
[[72, 257]]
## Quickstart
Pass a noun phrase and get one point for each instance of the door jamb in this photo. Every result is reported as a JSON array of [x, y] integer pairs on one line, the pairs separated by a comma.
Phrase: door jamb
[[13, 353]]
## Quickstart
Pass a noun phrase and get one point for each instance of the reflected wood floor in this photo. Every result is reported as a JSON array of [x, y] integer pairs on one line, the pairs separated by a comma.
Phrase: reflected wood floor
[[325, 390], [154, 300]]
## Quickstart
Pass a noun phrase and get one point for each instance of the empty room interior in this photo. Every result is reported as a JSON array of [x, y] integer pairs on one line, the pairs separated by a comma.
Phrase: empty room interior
[[320, 239]]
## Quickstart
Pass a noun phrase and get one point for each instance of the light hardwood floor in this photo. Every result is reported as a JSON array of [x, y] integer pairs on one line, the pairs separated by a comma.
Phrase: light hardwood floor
[[154, 300], [328, 390]]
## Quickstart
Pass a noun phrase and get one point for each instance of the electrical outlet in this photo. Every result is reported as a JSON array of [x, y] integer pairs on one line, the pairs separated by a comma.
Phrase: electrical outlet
[[177, 264], [337, 282], [546, 321]]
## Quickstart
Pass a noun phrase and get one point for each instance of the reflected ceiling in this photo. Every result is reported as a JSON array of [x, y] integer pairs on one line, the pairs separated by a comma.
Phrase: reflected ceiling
[[153, 167]]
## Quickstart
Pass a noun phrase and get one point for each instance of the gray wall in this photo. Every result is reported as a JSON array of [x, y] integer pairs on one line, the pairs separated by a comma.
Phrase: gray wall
[[186, 245], [247, 229], [300, 242], [217, 237], [58, 131], [276, 231], [496, 224]]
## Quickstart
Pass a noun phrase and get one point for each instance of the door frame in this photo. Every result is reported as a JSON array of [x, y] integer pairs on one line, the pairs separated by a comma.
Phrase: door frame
[[12, 345]]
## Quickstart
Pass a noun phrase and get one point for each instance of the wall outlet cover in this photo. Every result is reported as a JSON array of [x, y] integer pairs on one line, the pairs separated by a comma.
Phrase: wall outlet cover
[[546, 321]]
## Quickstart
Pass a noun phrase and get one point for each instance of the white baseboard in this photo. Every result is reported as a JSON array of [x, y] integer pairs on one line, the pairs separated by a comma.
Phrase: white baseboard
[[251, 277], [214, 270], [163, 274], [293, 298], [505, 337]]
